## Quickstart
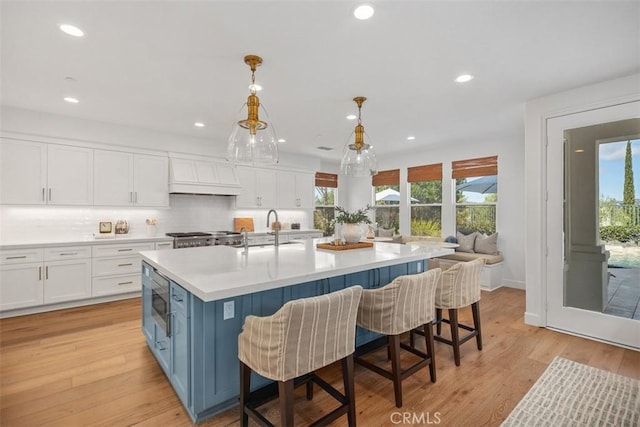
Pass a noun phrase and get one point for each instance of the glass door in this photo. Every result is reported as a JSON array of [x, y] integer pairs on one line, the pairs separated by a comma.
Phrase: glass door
[[578, 274]]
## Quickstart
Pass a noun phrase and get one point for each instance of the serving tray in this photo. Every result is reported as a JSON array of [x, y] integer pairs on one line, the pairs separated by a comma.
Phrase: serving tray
[[331, 247]]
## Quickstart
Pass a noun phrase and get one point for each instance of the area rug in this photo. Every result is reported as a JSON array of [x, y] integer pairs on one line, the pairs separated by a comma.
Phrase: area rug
[[572, 394]]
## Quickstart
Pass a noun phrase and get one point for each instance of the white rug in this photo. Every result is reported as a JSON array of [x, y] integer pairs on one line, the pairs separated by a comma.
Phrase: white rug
[[572, 394]]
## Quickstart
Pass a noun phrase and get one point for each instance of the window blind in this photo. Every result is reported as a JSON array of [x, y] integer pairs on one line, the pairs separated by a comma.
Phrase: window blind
[[481, 166], [326, 180], [425, 173], [390, 177]]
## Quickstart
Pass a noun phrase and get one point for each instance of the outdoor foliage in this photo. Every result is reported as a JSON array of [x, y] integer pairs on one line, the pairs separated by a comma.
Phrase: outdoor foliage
[[472, 218], [623, 234], [426, 192], [323, 220], [388, 217], [612, 213], [426, 228], [629, 193]]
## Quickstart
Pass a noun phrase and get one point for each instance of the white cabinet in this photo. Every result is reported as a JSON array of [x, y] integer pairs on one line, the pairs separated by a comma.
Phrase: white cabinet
[[21, 285], [163, 245], [23, 172], [258, 188], [67, 280], [127, 179], [116, 268], [35, 173], [295, 190]]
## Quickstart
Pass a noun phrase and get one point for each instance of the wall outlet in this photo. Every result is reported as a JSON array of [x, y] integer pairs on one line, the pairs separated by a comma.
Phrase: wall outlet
[[228, 310], [419, 266]]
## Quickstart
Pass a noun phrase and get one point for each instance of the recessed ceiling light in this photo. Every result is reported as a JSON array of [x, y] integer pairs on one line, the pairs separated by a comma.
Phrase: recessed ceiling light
[[411, 138], [364, 11], [71, 99], [199, 124], [352, 117], [71, 30], [256, 86], [579, 150], [282, 140], [463, 78]]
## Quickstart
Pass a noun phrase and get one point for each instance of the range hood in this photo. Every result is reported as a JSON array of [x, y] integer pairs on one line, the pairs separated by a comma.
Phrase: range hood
[[190, 176]]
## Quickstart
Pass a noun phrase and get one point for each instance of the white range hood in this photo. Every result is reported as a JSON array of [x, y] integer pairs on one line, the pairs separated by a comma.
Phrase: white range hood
[[190, 176]]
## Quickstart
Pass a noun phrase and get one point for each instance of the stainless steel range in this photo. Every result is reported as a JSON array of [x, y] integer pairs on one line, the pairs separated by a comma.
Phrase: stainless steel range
[[197, 239]]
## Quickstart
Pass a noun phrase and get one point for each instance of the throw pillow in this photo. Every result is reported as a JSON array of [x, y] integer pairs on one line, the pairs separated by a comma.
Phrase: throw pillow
[[487, 244], [451, 239], [466, 242]]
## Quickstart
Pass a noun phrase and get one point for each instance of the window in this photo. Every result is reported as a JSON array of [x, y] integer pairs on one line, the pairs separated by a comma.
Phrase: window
[[387, 199], [425, 187], [476, 183], [325, 202]]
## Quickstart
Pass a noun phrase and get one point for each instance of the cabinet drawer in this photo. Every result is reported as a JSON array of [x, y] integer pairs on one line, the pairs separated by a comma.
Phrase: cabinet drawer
[[115, 285], [164, 245], [178, 299], [120, 250], [121, 265], [71, 252], [20, 256]]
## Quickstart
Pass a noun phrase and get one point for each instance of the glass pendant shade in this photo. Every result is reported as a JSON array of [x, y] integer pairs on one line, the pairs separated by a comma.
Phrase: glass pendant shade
[[359, 158], [253, 140]]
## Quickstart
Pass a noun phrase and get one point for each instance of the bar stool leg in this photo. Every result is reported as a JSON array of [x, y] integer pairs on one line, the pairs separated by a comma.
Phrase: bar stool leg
[[285, 396], [428, 336], [394, 346], [455, 338], [475, 309], [438, 321], [245, 386], [349, 388]]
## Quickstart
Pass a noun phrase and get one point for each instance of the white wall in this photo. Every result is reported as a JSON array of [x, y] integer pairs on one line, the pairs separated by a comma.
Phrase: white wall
[[510, 209], [186, 213], [538, 111]]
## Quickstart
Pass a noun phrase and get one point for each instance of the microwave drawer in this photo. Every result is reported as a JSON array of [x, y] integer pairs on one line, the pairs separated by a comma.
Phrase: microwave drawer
[[113, 266], [115, 285]]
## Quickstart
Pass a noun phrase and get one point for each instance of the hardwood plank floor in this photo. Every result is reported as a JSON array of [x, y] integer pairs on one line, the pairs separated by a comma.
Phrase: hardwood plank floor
[[90, 366]]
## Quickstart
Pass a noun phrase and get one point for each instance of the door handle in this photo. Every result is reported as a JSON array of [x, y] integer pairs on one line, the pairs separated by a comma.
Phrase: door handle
[[135, 199], [125, 250], [130, 282], [39, 273], [16, 257], [68, 253], [46, 273], [125, 265], [49, 194], [43, 199]]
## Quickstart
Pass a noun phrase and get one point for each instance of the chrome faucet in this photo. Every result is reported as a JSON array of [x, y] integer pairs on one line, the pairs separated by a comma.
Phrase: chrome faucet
[[245, 233], [277, 227]]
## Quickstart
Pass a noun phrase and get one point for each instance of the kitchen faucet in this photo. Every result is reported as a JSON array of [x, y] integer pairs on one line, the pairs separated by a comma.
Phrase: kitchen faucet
[[277, 227], [245, 233]]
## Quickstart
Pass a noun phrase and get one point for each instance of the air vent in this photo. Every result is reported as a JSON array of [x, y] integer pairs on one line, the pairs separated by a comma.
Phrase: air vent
[[322, 147]]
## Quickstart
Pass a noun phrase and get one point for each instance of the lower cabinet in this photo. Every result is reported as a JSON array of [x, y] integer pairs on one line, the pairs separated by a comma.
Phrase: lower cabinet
[[200, 353], [67, 280], [21, 286], [116, 268]]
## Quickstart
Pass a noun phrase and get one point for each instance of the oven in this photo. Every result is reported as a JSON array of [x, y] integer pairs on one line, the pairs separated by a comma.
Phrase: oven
[[160, 302], [198, 239]]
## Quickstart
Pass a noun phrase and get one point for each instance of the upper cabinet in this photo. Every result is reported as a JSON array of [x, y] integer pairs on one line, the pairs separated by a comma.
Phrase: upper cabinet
[[203, 177], [36, 173], [258, 188], [127, 179], [295, 190]]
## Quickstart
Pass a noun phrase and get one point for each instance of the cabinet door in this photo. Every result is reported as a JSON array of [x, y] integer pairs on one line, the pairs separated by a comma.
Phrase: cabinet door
[[112, 178], [151, 180], [287, 197], [148, 323], [67, 280], [69, 175], [21, 285], [248, 197], [180, 355], [266, 188], [304, 190], [23, 172]]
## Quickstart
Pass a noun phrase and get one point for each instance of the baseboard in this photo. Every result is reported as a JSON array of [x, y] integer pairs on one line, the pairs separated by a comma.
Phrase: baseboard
[[532, 319], [488, 289], [68, 304], [516, 284]]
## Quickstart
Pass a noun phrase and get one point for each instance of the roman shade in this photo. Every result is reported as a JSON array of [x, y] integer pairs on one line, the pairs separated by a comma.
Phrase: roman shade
[[482, 166], [390, 177], [326, 180], [425, 173]]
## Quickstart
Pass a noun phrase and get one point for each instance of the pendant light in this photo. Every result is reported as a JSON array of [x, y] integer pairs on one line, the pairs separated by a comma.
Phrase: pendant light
[[358, 158], [253, 140]]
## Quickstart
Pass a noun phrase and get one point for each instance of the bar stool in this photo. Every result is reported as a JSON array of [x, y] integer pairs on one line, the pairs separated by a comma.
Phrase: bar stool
[[303, 336], [459, 287], [402, 305]]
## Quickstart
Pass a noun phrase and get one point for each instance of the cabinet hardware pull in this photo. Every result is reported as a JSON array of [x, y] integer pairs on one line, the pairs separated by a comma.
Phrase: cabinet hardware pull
[[125, 265], [46, 272], [131, 196], [176, 298], [68, 253], [16, 257], [125, 250], [136, 197], [43, 199], [39, 273], [130, 282], [49, 194], [160, 344]]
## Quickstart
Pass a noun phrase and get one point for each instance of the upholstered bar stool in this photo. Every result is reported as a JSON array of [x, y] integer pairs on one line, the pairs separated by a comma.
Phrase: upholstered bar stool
[[405, 303], [459, 287], [303, 336]]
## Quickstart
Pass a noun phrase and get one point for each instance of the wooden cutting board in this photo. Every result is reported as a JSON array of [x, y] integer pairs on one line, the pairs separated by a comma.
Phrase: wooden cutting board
[[344, 247], [238, 223]]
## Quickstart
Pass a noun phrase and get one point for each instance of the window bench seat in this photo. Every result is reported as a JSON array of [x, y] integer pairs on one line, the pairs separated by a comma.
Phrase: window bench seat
[[491, 277]]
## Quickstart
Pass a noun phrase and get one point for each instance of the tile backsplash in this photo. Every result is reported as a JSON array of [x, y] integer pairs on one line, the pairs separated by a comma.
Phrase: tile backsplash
[[186, 213]]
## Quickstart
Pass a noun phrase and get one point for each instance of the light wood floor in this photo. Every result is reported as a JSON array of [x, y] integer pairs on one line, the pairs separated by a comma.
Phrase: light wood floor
[[91, 366]]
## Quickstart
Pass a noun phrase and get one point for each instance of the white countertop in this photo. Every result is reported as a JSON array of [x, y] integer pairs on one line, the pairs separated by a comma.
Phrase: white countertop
[[39, 242], [218, 272]]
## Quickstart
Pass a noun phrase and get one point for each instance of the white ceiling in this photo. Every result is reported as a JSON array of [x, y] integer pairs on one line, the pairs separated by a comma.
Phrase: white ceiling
[[164, 65]]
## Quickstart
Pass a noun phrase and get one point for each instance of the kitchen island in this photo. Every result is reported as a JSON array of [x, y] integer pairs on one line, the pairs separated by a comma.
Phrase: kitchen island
[[195, 301]]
